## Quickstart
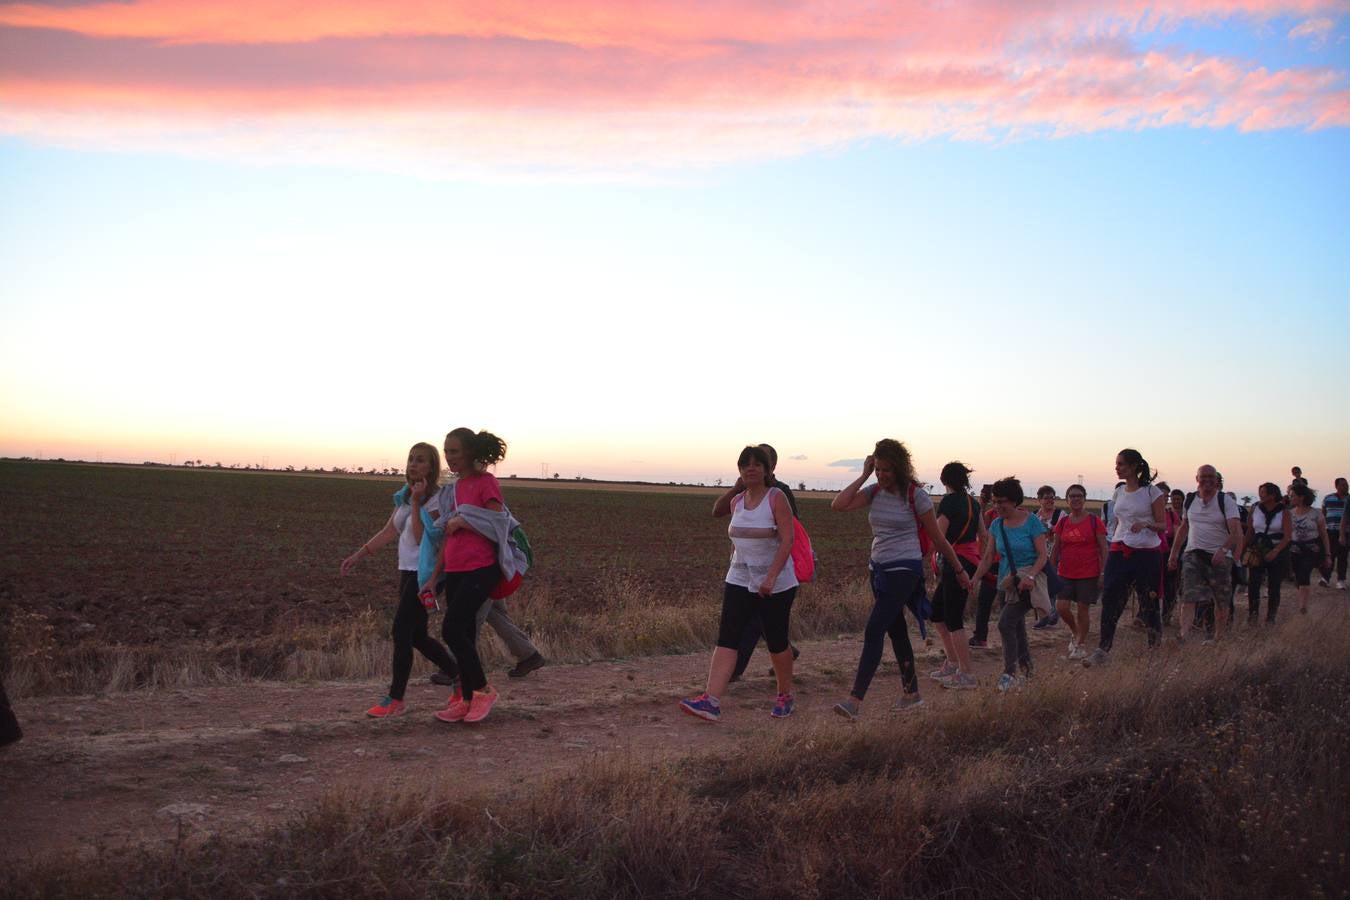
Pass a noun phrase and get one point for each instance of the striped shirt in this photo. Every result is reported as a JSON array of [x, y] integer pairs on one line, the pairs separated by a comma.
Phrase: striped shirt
[[1333, 507]]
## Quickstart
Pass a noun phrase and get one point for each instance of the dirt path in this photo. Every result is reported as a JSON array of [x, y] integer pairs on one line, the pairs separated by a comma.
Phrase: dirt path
[[124, 769]]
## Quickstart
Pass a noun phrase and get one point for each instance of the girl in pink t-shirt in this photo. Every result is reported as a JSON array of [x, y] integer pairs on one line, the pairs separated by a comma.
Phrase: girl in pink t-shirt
[[469, 561]]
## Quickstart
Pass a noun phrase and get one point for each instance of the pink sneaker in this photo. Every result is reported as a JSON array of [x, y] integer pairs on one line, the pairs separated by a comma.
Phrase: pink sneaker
[[481, 704], [386, 708], [455, 711]]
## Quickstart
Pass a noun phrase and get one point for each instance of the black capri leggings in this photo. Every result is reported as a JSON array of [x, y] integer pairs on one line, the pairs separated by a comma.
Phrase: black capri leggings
[[739, 606], [949, 602]]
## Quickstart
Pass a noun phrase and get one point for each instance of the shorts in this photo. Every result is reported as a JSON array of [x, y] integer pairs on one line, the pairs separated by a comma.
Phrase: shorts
[[949, 601], [1079, 590], [1304, 562], [1204, 582]]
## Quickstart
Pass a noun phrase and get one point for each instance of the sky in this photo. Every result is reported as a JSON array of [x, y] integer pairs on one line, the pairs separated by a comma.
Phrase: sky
[[631, 239]]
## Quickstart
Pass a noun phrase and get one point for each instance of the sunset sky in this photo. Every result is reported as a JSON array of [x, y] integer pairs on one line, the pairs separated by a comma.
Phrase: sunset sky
[[631, 238]]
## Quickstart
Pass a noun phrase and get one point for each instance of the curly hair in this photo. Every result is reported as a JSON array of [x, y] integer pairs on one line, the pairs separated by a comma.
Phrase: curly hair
[[897, 454]]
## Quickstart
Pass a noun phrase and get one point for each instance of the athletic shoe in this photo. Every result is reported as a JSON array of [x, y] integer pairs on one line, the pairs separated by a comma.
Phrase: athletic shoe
[[481, 704], [961, 682], [527, 665], [1322, 582], [444, 679], [1007, 682], [1340, 585], [1098, 657], [979, 645], [783, 705], [906, 703], [386, 708], [1076, 651], [948, 669], [703, 706], [454, 711], [849, 709], [455, 697], [1049, 621]]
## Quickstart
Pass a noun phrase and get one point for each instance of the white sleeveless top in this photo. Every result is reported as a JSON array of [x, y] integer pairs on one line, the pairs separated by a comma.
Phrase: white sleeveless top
[[752, 557]]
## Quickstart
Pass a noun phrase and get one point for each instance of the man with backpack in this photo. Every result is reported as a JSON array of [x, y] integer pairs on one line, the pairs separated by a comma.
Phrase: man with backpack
[[1211, 533]]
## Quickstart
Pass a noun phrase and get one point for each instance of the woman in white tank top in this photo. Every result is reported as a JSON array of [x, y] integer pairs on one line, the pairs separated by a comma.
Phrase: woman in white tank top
[[760, 580]]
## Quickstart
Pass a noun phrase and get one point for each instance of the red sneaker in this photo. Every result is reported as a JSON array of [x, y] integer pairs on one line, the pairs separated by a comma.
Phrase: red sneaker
[[386, 708], [455, 711], [481, 704]]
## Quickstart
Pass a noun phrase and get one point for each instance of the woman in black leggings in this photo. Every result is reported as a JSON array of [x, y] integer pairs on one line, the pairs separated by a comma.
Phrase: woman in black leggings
[[410, 620], [899, 512]]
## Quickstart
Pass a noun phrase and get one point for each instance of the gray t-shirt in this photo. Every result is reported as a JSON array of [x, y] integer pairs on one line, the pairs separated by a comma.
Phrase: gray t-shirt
[[895, 532]]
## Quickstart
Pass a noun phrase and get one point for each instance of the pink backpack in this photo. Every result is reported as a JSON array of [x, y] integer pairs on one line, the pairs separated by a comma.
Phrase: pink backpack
[[803, 557]]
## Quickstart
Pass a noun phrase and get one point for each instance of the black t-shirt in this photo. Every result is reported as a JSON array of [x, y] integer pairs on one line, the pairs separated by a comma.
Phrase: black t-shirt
[[787, 492], [962, 514]]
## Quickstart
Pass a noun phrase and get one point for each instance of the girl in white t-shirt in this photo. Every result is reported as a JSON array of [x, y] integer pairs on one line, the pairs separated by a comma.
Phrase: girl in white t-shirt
[[760, 581], [410, 620], [1136, 552]]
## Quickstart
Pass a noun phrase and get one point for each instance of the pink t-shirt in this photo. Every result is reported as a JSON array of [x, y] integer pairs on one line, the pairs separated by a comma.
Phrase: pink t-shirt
[[1079, 556], [466, 549]]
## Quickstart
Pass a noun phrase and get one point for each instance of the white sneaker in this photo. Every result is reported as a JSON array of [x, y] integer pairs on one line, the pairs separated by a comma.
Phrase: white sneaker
[[1322, 582], [1076, 651], [1340, 585]]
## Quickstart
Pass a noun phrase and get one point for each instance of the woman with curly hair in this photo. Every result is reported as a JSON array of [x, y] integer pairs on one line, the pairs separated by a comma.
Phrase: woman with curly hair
[[898, 509]]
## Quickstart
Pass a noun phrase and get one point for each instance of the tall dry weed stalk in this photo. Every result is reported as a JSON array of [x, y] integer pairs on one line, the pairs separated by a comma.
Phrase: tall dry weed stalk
[[1208, 773]]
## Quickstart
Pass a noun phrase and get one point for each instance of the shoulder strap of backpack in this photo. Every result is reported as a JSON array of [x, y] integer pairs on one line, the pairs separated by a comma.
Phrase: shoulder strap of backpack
[[970, 520], [1190, 498], [1007, 547]]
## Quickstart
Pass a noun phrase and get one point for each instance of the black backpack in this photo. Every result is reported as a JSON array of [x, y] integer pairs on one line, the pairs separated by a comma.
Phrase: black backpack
[[1223, 507]]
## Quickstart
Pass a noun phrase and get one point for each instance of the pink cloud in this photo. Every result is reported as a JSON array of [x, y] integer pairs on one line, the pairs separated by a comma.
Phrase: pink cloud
[[1316, 30], [584, 85]]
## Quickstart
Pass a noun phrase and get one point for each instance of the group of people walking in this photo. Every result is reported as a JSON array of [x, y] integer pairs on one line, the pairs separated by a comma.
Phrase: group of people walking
[[1153, 543], [460, 542]]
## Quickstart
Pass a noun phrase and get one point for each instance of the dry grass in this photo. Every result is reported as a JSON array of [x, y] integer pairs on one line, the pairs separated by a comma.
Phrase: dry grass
[[1203, 773], [636, 617]]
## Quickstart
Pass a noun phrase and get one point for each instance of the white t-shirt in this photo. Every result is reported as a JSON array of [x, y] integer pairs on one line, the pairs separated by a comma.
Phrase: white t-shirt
[[1208, 523], [1128, 508], [408, 548]]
